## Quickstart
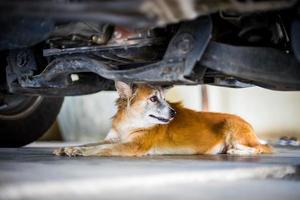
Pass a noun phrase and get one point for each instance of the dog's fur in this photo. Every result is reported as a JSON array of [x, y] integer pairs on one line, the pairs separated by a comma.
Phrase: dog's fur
[[145, 125]]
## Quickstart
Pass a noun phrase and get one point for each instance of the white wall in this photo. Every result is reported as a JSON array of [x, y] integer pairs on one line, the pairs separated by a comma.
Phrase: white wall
[[190, 96], [272, 113], [87, 118]]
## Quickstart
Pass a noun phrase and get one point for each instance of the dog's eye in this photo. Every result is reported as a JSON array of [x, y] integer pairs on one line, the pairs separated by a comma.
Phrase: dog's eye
[[154, 99]]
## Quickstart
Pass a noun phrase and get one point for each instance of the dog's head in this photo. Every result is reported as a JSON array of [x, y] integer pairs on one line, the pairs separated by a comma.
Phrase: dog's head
[[145, 103]]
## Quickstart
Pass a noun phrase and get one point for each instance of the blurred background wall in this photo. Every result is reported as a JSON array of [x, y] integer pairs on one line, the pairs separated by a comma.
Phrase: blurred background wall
[[87, 118], [273, 114]]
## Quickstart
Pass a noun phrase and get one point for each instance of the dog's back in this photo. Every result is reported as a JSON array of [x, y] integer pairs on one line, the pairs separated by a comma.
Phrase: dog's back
[[192, 132]]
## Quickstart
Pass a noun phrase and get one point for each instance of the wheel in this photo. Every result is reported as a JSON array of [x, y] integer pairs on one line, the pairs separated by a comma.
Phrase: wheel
[[23, 119]]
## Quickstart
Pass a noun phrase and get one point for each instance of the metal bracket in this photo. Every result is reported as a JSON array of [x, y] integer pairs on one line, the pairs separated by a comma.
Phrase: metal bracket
[[19, 75], [184, 50]]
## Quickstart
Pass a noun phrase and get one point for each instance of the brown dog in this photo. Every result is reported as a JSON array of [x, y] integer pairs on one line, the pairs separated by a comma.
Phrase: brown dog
[[146, 124]]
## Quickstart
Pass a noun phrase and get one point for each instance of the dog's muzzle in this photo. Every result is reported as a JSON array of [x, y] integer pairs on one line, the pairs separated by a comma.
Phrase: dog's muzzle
[[161, 119], [172, 114]]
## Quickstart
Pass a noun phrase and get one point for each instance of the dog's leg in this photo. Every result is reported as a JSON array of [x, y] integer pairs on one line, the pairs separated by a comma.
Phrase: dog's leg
[[245, 150], [112, 137], [125, 149], [61, 151], [239, 149], [240, 139]]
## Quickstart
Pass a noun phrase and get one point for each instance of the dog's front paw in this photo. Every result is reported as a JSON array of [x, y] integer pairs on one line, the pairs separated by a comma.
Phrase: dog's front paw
[[59, 152], [241, 152], [73, 151], [69, 151]]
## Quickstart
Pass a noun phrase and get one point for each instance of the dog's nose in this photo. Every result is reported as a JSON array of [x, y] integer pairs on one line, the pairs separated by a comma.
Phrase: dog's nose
[[172, 113]]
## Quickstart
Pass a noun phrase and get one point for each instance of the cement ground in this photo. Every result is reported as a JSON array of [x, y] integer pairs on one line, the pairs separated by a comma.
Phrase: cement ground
[[34, 173]]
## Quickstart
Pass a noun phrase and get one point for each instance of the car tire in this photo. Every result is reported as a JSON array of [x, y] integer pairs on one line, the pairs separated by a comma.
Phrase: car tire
[[29, 122]]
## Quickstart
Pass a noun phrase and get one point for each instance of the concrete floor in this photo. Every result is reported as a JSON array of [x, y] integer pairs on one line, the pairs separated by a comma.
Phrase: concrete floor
[[34, 173]]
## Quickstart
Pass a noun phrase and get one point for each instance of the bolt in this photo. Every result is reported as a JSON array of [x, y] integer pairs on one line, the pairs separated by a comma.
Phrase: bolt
[[74, 37], [117, 34], [97, 39], [185, 43], [22, 59], [74, 77]]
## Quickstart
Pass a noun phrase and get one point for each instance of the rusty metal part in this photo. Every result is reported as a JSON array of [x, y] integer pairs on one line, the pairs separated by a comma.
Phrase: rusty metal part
[[132, 43], [80, 34], [22, 65], [183, 52]]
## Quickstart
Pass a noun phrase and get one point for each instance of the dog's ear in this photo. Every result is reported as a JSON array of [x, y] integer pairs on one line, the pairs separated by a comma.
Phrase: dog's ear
[[124, 90]]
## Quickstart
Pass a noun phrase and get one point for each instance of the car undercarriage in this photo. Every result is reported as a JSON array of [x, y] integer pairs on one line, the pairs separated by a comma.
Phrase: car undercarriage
[[66, 48], [241, 43]]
